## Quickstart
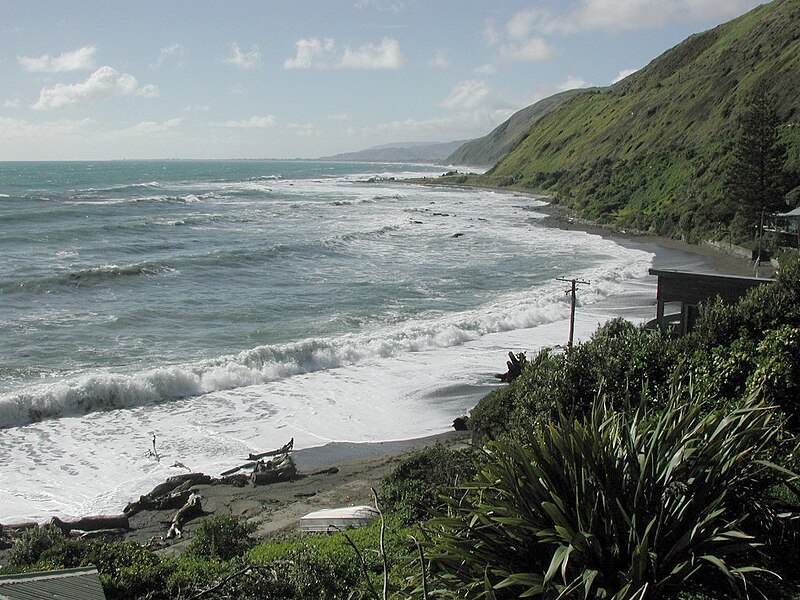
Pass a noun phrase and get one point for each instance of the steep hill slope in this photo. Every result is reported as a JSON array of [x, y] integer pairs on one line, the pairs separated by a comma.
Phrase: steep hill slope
[[650, 152], [489, 149]]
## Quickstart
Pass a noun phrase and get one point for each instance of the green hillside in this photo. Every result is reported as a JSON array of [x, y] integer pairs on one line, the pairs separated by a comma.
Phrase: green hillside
[[651, 151], [492, 147]]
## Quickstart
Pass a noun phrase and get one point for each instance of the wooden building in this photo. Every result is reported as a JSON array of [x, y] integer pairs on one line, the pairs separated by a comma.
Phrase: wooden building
[[680, 293]]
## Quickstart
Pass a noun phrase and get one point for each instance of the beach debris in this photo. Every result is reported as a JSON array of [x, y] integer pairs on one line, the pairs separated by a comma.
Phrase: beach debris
[[94, 523], [328, 471], [281, 468], [515, 366], [153, 452], [166, 494], [461, 423], [190, 510], [286, 448], [179, 465]]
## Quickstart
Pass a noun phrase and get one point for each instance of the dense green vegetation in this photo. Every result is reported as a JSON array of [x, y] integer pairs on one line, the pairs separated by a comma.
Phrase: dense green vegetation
[[652, 152], [636, 465]]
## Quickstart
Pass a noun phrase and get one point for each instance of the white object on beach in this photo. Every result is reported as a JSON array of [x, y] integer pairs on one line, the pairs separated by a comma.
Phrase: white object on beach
[[338, 518]]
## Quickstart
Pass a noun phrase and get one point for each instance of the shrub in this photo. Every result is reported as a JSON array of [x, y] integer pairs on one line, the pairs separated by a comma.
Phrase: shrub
[[615, 506], [223, 537], [128, 570], [29, 546], [412, 490]]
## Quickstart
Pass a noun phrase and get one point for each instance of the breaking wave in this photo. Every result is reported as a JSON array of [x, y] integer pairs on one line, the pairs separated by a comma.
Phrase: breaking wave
[[105, 390]]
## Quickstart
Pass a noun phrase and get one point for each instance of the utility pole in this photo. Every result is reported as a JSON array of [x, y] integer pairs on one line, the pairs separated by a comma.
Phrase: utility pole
[[571, 291]]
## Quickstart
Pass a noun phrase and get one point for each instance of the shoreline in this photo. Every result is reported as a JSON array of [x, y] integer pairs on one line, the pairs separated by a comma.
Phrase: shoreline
[[360, 466]]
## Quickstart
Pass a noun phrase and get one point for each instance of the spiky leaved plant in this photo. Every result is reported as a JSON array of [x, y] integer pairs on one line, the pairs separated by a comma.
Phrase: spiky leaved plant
[[618, 506]]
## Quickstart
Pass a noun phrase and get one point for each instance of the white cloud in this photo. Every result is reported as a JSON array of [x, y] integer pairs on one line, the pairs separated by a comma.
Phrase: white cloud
[[441, 60], [467, 95], [148, 91], [310, 52], [319, 53], [252, 123], [154, 127], [385, 55], [244, 60], [572, 82], [104, 83], [530, 50], [625, 15], [622, 75], [81, 59], [486, 69], [521, 41], [197, 108], [174, 52], [340, 117], [524, 24], [12, 103]]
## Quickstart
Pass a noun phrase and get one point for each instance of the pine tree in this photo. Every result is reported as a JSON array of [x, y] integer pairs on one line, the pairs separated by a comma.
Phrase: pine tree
[[756, 180]]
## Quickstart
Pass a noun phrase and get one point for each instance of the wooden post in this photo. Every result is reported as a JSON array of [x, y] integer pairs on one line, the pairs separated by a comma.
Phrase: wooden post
[[571, 291]]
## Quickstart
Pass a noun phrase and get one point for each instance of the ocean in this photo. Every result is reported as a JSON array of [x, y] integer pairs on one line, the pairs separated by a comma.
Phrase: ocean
[[225, 307]]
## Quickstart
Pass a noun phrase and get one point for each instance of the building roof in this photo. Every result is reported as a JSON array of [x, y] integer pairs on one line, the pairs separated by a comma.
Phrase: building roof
[[65, 584], [694, 288]]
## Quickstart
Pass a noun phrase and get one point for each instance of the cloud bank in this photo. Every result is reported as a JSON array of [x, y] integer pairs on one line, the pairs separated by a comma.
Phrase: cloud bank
[[81, 59], [104, 83], [316, 53]]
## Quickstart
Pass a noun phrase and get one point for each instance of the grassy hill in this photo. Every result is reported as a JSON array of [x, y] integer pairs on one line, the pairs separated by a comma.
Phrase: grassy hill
[[650, 152], [489, 149]]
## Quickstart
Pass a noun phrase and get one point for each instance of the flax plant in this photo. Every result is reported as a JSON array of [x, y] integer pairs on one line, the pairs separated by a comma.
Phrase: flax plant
[[616, 505]]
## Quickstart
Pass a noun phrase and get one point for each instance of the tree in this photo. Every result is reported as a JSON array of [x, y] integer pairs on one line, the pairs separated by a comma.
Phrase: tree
[[756, 179]]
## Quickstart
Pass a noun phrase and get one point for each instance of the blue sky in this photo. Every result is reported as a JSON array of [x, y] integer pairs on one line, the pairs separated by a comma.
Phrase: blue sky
[[107, 79]]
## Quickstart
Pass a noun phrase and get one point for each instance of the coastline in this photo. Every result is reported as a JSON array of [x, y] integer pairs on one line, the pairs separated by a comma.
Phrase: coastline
[[360, 466], [716, 260]]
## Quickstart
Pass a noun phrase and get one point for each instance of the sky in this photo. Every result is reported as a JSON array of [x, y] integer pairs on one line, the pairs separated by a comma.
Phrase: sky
[[107, 79]]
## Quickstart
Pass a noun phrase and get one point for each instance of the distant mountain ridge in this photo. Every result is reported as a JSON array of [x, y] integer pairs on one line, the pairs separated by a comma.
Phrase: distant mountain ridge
[[424, 152], [650, 152], [489, 149]]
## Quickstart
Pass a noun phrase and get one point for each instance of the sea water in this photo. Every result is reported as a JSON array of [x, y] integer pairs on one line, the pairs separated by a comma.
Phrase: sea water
[[225, 307]]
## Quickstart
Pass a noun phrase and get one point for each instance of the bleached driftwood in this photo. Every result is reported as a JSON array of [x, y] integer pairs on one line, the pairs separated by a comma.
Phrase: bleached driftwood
[[161, 496], [285, 449], [254, 458], [187, 512]]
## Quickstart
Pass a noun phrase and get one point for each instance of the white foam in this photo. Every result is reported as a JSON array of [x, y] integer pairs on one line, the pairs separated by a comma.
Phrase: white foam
[[97, 463]]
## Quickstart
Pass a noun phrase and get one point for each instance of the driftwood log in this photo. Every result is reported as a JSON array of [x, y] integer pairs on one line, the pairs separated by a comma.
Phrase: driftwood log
[[187, 512], [161, 496], [253, 459], [92, 523], [285, 449], [273, 471], [515, 365]]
